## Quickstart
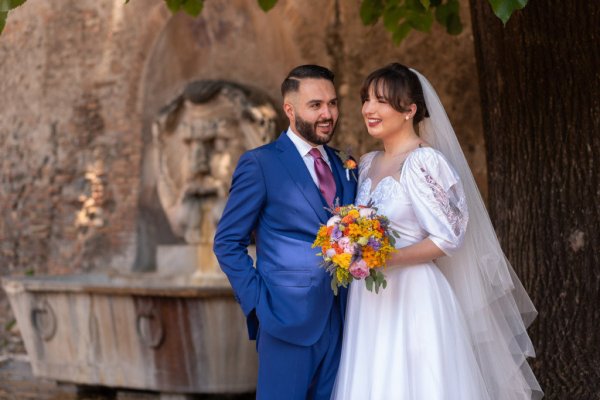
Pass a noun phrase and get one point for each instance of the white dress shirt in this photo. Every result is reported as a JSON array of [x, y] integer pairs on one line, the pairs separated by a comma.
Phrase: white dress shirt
[[303, 148]]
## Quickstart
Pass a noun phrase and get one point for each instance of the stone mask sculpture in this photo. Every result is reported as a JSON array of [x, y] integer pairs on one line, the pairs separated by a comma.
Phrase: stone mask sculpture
[[198, 139]]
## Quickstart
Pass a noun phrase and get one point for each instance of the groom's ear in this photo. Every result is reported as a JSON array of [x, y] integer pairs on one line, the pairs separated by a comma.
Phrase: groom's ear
[[288, 108]]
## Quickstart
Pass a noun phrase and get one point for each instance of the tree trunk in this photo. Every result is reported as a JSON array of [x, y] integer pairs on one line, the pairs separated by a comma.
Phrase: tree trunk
[[540, 90]]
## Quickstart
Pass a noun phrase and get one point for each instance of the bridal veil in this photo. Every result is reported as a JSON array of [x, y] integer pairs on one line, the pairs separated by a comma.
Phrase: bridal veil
[[495, 304]]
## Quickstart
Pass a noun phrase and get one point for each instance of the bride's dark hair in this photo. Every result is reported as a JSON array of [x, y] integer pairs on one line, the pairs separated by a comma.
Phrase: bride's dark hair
[[399, 86]]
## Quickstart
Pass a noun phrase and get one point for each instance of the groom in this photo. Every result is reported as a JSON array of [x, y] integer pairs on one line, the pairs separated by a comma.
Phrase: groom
[[279, 193]]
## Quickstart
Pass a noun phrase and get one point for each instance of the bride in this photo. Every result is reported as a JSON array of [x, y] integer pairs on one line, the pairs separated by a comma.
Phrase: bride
[[451, 323]]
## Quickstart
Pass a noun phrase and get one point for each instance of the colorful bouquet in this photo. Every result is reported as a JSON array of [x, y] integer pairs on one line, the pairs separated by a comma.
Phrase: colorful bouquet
[[356, 242]]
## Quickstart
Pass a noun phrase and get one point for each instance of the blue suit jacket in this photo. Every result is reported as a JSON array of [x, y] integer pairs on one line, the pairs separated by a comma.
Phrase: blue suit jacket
[[273, 196]]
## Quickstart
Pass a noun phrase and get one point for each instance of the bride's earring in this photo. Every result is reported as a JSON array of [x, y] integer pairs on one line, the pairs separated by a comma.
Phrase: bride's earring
[[407, 117]]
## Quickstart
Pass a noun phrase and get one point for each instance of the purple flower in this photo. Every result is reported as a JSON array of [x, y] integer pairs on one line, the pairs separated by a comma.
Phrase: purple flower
[[336, 233], [374, 243]]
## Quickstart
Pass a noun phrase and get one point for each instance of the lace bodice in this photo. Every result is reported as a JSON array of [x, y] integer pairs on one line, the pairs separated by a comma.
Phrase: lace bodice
[[427, 200]]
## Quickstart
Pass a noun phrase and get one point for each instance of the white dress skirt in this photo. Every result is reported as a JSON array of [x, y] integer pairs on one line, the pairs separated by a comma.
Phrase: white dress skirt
[[410, 341]]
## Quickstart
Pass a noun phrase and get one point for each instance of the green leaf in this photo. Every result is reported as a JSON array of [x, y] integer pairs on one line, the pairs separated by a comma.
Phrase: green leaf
[[391, 18], [174, 5], [3, 15], [391, 3], [193, 7], [444, 11], [415, 5], [380, 281], [369, 283], [370, 11], [425, 3], [401, 32], [504, 8], [454, 25], [266, 5], [334, 283], [448, 15], [421, 21], [7, 5]]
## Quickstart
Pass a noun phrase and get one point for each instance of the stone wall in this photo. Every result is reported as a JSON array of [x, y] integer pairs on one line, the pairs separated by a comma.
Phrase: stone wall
[[81, 82]]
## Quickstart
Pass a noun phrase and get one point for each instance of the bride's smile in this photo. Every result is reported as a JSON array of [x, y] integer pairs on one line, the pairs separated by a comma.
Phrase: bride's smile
[[381, 119]]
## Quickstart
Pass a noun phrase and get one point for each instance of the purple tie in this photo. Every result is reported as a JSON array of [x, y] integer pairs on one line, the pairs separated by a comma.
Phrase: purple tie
[[324, 176]]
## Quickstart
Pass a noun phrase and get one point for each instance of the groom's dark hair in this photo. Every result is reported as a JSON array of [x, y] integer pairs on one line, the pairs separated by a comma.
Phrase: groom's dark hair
[[292, 82]]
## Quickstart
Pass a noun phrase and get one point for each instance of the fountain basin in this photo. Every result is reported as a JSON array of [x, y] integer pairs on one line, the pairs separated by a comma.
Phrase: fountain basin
[[139, 331]]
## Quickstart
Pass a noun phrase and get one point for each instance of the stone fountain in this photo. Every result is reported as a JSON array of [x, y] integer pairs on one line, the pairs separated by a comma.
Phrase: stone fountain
[[176, 328]]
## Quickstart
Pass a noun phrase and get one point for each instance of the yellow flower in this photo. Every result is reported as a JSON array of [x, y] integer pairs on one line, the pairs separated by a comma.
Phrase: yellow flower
[[322, 237], [343, 260], [354, 230], [376, 234], [354, 213], [342, 275]]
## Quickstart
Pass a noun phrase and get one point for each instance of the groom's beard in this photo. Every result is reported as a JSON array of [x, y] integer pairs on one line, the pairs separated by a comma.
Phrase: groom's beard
[[309, 131]]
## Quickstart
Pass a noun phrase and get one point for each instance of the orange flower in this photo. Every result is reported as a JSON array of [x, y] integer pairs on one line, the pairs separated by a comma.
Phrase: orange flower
[[347, 220], [370, 257], [350, 164], [337, 248]]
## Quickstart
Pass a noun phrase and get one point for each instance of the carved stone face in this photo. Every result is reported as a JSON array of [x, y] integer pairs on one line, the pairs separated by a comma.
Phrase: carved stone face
[[196, 160]]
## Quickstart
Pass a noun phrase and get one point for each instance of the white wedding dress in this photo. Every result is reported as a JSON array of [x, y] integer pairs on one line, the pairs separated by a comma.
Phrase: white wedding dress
[[410, 341]]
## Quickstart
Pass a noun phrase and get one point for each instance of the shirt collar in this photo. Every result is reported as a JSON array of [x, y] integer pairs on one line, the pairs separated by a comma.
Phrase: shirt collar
[[303, 147]]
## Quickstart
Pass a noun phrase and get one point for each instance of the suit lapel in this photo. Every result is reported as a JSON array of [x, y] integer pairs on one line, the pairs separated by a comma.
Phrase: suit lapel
[[292, 161]]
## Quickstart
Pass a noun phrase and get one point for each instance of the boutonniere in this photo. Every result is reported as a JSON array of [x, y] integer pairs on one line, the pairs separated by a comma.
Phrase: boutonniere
[[348, 163]]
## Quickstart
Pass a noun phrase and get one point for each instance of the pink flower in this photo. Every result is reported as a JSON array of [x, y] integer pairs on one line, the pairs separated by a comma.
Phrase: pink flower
[[346, 244], [359, 269]]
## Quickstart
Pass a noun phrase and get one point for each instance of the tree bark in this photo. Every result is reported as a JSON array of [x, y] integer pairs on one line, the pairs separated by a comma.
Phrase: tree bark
[[540, 90]]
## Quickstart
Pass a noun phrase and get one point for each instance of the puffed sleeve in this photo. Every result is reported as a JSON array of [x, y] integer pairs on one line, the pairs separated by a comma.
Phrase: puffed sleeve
[[437, 196]]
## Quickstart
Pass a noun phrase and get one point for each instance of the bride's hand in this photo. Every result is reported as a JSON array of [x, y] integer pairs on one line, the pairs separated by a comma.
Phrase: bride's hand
[[421, 252]]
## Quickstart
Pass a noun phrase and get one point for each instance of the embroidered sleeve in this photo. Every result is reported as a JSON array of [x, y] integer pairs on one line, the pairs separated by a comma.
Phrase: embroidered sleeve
[[437, 198], [451, 204]]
